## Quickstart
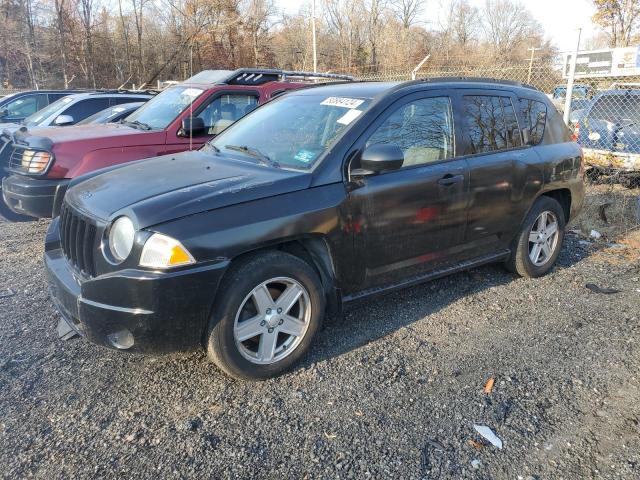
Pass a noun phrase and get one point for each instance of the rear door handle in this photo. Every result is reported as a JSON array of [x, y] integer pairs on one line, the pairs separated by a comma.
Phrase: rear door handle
[[450, 179]]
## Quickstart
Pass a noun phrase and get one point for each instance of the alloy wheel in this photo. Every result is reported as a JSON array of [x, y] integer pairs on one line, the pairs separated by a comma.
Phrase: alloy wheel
[[272, 320], [543, 238]]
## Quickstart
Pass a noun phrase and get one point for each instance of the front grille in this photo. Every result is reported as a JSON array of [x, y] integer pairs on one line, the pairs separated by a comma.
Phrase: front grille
[[78, 238]]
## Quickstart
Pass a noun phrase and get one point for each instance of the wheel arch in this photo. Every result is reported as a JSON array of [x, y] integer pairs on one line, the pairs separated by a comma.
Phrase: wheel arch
[[563, 197], [312, 249]]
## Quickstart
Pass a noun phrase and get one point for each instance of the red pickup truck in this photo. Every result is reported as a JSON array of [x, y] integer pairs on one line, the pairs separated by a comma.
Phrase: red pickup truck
[[183, 117]]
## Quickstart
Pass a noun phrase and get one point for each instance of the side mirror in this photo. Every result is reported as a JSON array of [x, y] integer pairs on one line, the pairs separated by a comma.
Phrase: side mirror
[[62, 120], [4, 113], [192, 127], [379, 158]]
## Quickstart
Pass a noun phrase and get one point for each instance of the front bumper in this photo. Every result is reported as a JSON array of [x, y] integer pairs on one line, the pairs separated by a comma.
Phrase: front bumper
[[134, 310], [36, 197]]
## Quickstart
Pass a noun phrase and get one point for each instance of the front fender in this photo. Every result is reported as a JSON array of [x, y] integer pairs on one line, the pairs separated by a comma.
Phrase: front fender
[[229, 232]]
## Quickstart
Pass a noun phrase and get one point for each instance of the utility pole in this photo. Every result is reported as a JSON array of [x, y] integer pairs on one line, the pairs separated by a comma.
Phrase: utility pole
[[532, 49], [572, 74], [313, 27]]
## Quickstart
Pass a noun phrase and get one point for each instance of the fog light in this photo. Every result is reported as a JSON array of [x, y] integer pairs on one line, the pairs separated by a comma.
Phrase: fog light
[[122, 339]]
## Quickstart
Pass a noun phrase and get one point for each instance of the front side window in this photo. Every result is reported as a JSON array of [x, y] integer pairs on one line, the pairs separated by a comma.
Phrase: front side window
[[40, 116], [165, 107], [22, 107], [423, 129], [535, 115], [225, 110], [485, 124], [293, 131]]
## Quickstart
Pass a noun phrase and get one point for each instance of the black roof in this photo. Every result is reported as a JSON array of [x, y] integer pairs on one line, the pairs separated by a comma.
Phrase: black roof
[[374, 89]]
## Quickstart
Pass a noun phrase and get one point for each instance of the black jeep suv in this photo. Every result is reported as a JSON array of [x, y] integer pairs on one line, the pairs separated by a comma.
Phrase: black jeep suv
[[316, 199]]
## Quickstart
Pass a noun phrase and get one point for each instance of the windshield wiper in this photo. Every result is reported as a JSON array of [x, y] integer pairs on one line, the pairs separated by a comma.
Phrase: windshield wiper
[[208, 146], [255, 153], [137, 124]]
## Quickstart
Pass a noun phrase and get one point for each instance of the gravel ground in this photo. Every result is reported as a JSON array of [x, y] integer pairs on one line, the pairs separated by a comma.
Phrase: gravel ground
[[392, 390]]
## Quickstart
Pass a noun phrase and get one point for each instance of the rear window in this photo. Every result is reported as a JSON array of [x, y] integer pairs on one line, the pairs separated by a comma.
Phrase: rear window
[[616, 109], [535, 115]]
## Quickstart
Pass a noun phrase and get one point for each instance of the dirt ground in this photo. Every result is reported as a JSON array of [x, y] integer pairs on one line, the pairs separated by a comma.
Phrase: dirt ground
[[392, 390]]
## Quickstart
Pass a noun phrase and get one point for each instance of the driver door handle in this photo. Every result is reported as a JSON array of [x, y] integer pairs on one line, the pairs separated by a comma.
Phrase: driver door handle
[[450, 179]]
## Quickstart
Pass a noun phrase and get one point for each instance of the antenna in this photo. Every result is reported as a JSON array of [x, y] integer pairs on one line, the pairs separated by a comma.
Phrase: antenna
[[191, 98]]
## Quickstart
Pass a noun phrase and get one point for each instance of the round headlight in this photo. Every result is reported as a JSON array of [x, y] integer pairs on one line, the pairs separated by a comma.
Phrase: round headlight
[[121, 237]]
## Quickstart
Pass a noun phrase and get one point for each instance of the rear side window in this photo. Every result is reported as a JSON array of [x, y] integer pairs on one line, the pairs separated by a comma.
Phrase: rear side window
[[423, 129], [535, 115], [486, 124], [84, 108]]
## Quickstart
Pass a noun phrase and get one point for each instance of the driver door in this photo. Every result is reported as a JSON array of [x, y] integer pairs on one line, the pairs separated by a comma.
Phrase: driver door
[[411, 220]]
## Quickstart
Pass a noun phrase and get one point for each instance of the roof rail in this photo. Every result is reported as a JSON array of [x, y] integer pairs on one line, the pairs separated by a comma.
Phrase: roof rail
[[257, 76], [477, 80], [150, 91]]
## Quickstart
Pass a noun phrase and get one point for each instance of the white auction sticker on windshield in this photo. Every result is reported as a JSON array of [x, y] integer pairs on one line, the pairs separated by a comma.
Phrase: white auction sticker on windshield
[[342, 102], [192, 92], [349, 117]]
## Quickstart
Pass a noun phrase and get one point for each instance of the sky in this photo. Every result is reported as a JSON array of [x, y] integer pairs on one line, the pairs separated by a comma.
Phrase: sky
[[559, 18]]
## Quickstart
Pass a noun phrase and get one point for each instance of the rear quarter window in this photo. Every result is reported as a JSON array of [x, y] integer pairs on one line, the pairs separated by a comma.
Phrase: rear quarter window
[[535, 117], [551, 130]]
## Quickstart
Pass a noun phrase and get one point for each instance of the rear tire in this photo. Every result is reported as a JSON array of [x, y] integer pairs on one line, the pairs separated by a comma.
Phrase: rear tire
[[535, 249], [266, 315]]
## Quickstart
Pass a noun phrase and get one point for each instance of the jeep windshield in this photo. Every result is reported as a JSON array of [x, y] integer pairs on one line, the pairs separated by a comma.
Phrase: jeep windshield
[[37, 118], [292, 132], [617, 109], [163, 109]]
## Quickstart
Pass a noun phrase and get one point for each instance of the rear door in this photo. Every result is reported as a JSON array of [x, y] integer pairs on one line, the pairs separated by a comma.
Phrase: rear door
[[498, 163], [411, 220]]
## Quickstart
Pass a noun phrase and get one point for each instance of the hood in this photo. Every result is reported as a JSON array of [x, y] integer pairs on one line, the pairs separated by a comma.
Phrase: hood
[[98, 136], [174, 186]]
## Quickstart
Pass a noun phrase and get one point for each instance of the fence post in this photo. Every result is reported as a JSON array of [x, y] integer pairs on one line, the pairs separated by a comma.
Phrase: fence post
[[572, 74]]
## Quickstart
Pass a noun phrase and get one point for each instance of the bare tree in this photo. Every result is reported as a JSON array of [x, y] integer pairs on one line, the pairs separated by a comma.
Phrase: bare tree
[[407, 11], [619, 18], [256, 21], [506, 25], [87, 11]]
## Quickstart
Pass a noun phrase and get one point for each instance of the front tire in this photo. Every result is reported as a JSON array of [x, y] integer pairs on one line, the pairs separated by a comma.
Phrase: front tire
[[535, 249], [270, 307]]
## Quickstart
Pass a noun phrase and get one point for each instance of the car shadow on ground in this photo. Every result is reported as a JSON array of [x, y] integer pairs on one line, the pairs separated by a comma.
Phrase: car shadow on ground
[[378, 317]]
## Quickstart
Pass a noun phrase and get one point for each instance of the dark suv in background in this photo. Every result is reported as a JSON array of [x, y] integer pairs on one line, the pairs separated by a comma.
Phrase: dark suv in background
[[16, 107], [319, 198]]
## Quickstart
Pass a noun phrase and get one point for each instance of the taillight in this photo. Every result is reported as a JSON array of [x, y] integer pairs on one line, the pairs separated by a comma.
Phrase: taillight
[[576, 132]]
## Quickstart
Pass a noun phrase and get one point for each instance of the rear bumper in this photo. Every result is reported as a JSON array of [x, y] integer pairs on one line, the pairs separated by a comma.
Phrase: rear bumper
[[608, 159], [133, 310], [36, 197]]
